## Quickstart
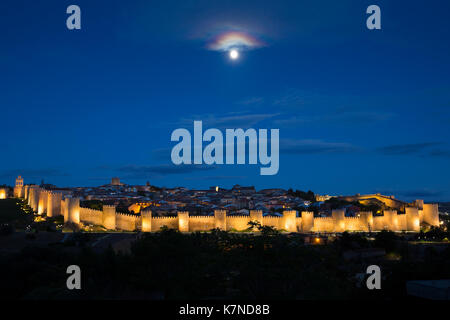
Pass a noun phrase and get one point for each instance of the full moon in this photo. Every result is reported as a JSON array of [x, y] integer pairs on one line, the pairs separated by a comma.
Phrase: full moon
[[234, 54]]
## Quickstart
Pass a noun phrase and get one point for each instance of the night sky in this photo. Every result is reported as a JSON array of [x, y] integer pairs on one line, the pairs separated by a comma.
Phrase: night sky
[[359, 111]]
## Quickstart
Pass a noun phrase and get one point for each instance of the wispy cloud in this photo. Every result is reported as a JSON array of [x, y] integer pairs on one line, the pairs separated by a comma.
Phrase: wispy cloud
[[363, 117], [230, 120], [297, 107], [140, 172], [314, 146], [251, 101], [292, 98], [412, 193], [421, 193], [33, 173], [439, 153], [292, 121], [425, 149], [216, 178], [161, 154], [407, 149]]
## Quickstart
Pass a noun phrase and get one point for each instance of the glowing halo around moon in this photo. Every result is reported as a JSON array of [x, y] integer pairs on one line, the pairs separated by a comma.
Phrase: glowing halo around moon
[[234, 41]]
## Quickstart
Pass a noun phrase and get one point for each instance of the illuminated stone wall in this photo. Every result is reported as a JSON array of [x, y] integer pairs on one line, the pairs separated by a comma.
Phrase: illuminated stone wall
[[201, 223], [257, 215], [220, 219], [3, 193], [323, 224], [378, 223], [146, 220], [339, 220], [183, 221], [169, 222], [366, 220], [65, 208], [272, 221], [431, 214], [307, 221], [390, 220], [298, 223], [109, 217], [74, 210], [43, 201], [54, 204], [34, 198], [25, 193], [91, 216], [126, 222], [289, 221], [401, 218], [412, 219], [353, 224], [238, 223], [388, 201]]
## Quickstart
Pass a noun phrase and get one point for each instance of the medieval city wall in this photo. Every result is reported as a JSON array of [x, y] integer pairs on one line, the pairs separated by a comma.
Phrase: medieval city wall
[[378, 223], [126, 222], [238, 223], [272, 221], [53, 203], [169, 222], [323, 224], [298, 223], [3, 193], [91, 216], [431, 213], [201, 223], [353, 224], [401, 218]]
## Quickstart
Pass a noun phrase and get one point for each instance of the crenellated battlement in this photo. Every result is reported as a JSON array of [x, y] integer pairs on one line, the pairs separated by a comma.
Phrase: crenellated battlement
[[126, 214], [165, 218], [54, 203], [200, 217], [238, 217], [338, 222]]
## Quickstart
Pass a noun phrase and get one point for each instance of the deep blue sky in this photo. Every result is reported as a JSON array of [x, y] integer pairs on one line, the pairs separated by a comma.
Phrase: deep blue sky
[[358, 110]]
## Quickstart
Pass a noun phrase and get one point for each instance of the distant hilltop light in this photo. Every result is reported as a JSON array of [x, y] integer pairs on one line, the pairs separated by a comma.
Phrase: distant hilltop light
[[115, 181]]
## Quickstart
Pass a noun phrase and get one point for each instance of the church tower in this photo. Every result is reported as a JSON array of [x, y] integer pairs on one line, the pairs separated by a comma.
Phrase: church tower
[[18, 189]]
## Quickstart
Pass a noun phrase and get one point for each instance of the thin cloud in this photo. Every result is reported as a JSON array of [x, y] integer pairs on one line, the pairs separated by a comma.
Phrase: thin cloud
[[407, 149], [138, 172], [251, 101], [421, 193], [337, 118], [230, 120], [292, 98], [439, 153], [217, 178], [33, 173], [315, 146], [161, 154], [412, 193]]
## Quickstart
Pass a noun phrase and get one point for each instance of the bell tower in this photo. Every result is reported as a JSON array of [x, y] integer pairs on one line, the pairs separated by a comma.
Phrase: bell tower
[[18, 189]]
